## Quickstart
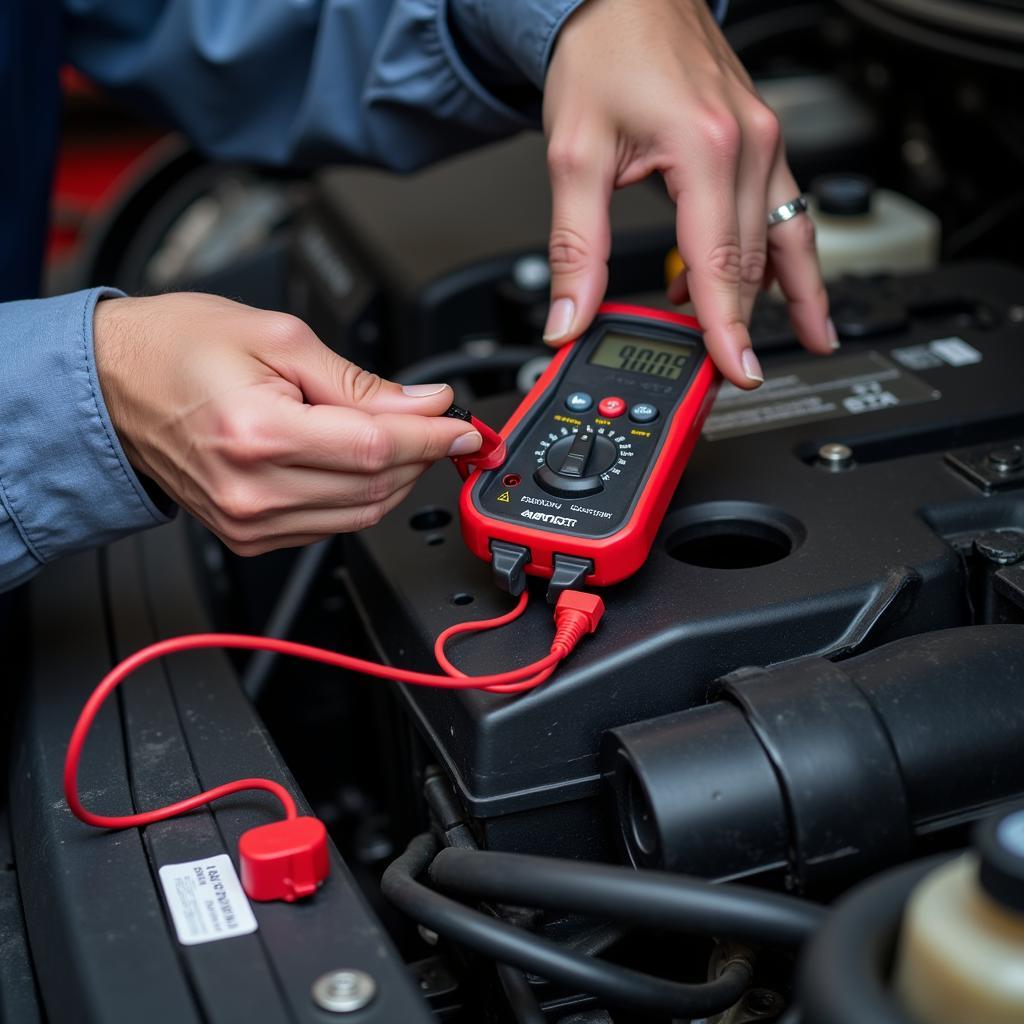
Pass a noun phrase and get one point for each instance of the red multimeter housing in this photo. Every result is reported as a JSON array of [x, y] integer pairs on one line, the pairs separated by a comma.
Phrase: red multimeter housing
[[595, 452]]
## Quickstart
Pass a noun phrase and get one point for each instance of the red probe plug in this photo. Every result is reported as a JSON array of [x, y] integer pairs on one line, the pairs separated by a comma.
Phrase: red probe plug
[[284, 860], [576, 614], [492, 452]]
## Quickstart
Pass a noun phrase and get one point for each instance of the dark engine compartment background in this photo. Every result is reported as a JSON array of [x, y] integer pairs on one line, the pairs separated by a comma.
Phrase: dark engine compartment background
[[770, 556]]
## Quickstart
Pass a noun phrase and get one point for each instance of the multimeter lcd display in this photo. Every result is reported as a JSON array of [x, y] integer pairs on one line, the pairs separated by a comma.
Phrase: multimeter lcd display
[[642, 355]]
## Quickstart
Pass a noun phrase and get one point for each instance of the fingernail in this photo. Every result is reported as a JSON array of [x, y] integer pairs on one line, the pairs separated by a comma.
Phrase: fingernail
[[559, 319], [830, 333], [751, 366], [466, 443], [422, 390]]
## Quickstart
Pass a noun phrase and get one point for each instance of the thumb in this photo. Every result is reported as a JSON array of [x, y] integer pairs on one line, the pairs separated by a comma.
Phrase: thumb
[[325, 378], [580, 242], [374, 394]]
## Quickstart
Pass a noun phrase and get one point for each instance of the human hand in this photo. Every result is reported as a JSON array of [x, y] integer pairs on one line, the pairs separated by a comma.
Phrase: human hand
[[643, 87], [264, 434]]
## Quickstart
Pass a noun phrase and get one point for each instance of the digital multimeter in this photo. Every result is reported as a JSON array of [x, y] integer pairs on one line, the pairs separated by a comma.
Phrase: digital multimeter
[[594, 453]]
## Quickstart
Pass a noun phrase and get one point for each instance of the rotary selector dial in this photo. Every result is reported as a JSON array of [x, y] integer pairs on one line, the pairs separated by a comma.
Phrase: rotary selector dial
[[576, 462]]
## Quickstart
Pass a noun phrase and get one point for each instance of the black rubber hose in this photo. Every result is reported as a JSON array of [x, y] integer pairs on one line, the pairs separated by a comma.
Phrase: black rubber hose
[[623, 894], [519, 993], [504, 943], [287, 608], [773, 25], [460, 363]]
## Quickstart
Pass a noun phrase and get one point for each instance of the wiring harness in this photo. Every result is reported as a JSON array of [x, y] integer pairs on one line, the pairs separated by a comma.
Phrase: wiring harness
[[288, 859], [651, 898]]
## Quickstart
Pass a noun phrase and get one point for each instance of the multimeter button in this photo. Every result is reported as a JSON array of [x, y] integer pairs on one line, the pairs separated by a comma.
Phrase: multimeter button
[[611, 407], [579, 401], [643, 412]]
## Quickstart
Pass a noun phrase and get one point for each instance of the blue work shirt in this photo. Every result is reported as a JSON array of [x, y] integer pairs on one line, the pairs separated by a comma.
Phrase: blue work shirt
[[397, 83]]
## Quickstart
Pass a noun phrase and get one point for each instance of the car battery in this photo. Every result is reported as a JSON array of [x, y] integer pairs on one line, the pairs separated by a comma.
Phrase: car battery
[[844, 504]]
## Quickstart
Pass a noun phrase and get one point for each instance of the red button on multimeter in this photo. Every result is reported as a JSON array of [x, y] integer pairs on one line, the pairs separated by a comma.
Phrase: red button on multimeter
[[611, 407], [593, 487]]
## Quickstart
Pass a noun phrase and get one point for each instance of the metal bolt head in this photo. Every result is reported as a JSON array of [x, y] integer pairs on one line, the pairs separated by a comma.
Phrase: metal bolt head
[[530, 372], [480, 347], [835, 456], [344, 991], [1007, 459], [531, 273], [1000, 547], [761, 1002]]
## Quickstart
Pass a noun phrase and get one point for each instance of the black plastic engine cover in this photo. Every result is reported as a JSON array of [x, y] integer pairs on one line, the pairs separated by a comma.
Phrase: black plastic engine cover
[[767, 553], [394, 268]]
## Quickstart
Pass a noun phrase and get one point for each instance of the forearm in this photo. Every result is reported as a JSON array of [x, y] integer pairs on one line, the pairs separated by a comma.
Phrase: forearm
[[516, 37], [65, 483]]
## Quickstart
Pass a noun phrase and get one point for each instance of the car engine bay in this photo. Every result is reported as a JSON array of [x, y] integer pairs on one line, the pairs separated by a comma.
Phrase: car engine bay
[[802, 707]]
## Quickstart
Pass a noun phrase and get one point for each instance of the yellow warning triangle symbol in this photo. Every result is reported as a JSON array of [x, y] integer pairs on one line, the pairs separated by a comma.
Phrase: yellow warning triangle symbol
[[504, 496]]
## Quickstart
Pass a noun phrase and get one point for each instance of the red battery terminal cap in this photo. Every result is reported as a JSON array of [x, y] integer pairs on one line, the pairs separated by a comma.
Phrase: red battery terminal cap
[[286, 860]]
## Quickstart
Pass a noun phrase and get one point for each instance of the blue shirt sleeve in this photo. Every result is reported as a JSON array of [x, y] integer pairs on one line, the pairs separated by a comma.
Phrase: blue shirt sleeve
[[65, 483], [280, 81], [313, 81], [298, 82]]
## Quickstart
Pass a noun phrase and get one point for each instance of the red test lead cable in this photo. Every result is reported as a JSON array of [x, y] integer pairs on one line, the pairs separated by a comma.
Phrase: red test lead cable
[[580, 615], [288, 859]]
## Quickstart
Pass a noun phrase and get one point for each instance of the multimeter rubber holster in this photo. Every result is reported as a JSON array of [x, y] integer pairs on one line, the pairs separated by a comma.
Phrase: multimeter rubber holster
[[594, 453]]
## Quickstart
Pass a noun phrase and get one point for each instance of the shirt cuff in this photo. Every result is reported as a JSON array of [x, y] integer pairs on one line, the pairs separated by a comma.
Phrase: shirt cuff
[[522, 33], [422, 102], [65, 483], [517, 34]]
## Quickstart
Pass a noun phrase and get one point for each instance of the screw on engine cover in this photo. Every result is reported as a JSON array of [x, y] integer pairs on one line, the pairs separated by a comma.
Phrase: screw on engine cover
[[761, 1002], [835, 456], [480, 347], [1000, 547], [1007, 458], [531, 273], [344, 991]]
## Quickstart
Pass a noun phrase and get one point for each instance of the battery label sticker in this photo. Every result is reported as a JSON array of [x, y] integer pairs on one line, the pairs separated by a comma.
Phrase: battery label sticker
[[955, 351], [206, 900], [940, 352], [815, 390]]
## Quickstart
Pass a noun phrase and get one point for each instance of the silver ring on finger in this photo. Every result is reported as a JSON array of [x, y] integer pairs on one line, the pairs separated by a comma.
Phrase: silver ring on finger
[[787, 211]]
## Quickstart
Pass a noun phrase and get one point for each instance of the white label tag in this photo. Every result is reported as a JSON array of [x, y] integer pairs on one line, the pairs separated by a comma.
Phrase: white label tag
[[916, 357], [206, 900], [955, 351]]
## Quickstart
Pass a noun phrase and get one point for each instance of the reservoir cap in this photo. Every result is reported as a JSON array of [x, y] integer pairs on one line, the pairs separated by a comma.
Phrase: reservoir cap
[[1000, 844], [843, 195]]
